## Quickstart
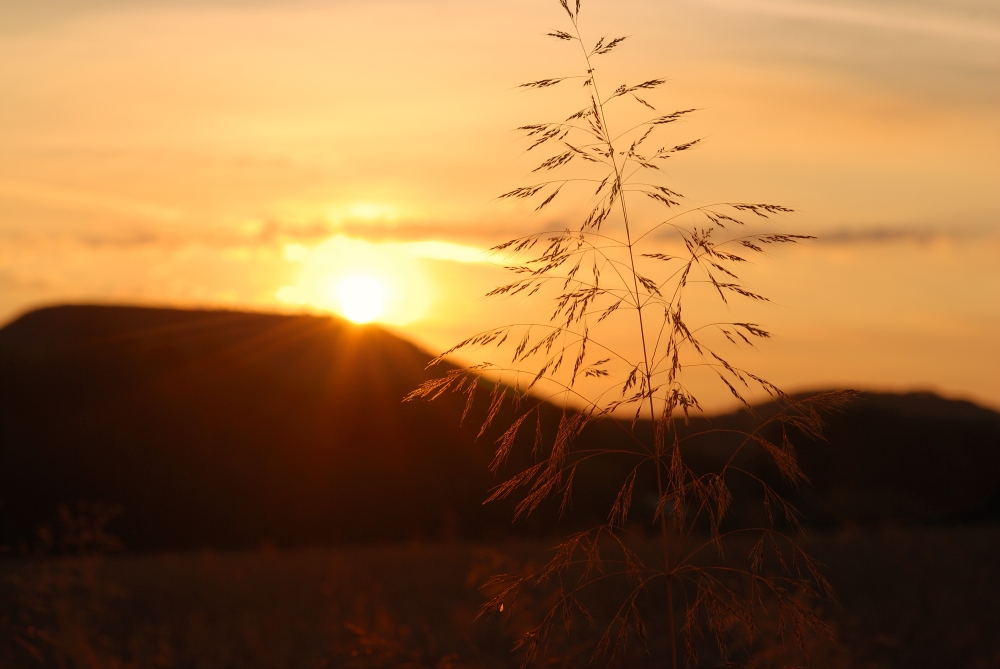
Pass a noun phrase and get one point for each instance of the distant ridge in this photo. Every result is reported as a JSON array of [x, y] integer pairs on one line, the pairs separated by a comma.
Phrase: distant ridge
[[896, 457], [227, 429]]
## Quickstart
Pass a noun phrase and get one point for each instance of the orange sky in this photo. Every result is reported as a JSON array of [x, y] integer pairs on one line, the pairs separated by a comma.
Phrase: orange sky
[[245, 154]]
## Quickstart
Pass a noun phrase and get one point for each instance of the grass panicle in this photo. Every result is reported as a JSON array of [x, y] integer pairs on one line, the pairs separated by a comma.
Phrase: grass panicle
[[634, 261]]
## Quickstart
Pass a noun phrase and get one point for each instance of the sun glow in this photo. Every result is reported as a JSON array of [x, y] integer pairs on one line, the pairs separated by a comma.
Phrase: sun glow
[[360, 280], [362, 297]]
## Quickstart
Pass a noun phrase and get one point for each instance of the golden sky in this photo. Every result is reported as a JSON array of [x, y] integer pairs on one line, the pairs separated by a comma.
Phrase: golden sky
[[253, 154]]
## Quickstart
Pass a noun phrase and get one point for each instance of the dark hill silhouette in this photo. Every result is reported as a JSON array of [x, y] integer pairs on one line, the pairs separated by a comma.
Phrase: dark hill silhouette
[[913, 457], [227, 429], [217, 428]]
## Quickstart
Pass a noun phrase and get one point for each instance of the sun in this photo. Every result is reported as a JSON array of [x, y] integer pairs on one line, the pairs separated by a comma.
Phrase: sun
[[360, 280], [362, 297]]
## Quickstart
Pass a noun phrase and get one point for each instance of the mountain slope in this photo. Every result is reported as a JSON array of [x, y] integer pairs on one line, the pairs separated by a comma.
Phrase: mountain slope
[[913, 457], [227, 429], [218, 428]]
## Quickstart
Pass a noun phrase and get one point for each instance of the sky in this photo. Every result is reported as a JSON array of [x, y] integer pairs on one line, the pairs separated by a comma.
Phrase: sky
[[258, 154]]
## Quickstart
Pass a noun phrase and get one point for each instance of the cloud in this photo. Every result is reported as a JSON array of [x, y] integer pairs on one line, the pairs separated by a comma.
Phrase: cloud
[[433, 241], [60, 197], [41, 14], [897, 235], [936, 24], [437, 250], [426, 241], [458, 233]]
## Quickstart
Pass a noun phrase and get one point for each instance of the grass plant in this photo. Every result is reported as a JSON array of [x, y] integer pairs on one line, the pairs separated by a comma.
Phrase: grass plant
[[919, 596], [636, 260], [49, 605]]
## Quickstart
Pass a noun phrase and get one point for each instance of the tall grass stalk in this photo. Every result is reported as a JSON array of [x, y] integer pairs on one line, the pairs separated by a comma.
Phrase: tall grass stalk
[[623, 266]]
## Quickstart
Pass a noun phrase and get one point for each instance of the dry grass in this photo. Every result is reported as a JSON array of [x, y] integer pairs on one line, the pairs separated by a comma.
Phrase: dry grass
[[924, 598], [622, 266]]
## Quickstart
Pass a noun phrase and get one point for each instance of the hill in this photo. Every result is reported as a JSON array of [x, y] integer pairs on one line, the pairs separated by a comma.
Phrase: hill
[[228, 429], [225, 429], [886, 458]]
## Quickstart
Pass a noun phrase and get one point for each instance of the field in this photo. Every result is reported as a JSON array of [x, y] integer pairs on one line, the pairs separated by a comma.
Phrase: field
[[915, 598]]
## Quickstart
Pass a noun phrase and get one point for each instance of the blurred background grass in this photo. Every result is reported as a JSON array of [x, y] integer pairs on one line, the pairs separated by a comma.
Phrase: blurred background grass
[[918, 597]]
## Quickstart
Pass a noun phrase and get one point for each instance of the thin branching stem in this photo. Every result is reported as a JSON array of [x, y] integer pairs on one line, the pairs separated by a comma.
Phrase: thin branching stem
[[589, 272]]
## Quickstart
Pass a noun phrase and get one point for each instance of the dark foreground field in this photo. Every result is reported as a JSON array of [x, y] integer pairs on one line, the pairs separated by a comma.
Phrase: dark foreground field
[[911, 598]]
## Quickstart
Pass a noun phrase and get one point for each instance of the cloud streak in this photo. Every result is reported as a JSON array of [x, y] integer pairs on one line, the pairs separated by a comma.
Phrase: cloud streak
[[466, 244], [426, 241], [925, 23], [59, 197], [896, 235]]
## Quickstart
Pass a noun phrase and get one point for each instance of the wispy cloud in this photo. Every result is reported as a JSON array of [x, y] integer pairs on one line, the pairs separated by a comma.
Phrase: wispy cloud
[[432, 240], [60, 197], [466, 244], [427, 241], [438, 250], [898, 235], [904, 19]]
